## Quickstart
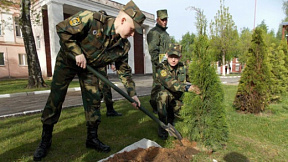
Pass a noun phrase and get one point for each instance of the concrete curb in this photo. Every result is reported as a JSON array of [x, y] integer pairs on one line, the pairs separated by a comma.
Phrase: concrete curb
[[34, 93], [230, 76]]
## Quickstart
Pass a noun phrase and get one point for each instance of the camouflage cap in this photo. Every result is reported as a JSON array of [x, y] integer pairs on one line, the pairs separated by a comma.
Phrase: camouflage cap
[[175, 49], [136, 14], [162, 14]]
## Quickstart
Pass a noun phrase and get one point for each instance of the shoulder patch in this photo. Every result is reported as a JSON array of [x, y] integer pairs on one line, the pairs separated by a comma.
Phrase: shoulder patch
[[75, 21], [163, 73]]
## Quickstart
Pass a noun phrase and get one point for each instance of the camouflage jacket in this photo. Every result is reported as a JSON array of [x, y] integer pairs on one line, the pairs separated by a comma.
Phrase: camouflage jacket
[[93, 34], [158, 43], [173, 80]]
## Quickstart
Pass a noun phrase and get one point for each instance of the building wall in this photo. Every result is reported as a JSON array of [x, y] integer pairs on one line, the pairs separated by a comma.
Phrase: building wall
[[11, 46], [71, 7]]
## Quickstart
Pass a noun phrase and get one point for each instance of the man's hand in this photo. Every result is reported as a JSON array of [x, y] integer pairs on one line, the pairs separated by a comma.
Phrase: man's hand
[[135, 98], [195, 89], [81, 61]]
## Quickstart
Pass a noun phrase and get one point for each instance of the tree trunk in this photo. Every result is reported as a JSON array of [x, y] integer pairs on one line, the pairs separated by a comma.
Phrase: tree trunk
[[35, 79], [223, 64]]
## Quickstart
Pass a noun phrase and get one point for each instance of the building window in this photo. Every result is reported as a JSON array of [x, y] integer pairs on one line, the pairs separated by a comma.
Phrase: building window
[[1, 58], [22, 59], [17, 27], [0, 28], [237, 68], [38, 42]]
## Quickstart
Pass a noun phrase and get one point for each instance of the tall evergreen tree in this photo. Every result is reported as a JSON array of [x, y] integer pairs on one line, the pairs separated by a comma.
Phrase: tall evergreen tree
[[279, 72], [283, 46], [253, 89], [204, 117]]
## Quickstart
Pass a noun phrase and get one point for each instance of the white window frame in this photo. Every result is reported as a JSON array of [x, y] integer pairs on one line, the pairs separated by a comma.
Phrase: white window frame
[[18, 31], [22, 59], [3, 59], [0, 27]]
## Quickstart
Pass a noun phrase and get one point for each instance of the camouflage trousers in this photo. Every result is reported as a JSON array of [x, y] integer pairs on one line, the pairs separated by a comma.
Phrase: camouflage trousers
[[64, 72], [156, 88], [168, 105], [106, 89]]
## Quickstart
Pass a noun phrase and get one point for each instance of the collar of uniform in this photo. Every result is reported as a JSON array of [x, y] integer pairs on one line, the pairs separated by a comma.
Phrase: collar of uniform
[[161, 27], [109, 28], [172, 69]]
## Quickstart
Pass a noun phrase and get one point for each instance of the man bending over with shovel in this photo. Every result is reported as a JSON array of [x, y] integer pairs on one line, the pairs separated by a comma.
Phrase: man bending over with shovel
[[95, 40], [171, 74]]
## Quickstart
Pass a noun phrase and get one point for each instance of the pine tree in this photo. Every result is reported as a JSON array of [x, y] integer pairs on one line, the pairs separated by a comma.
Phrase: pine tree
[[253, 89], [204, 116]]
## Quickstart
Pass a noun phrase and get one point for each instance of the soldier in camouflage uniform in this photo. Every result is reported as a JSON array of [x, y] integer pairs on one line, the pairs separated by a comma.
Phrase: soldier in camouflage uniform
[[171, 75], [96, 40], [158, 41]]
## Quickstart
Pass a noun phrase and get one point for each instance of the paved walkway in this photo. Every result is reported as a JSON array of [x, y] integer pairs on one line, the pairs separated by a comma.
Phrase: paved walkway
[[33, 102]]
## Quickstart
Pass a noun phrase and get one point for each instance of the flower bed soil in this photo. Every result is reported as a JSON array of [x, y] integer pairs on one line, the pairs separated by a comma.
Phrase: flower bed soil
[[176, 153]]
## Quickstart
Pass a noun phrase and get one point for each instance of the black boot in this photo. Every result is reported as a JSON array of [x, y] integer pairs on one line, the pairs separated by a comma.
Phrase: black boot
[[162, 133], [45, 143], [111, 111], [92, 140], [154, 106]]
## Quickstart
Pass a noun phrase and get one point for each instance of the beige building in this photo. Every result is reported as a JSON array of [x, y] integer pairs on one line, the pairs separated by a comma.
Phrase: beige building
[[13, 60]]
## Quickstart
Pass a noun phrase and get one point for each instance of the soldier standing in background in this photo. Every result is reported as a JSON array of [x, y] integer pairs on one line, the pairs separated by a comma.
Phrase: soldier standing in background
[[96, 40], [158, 41], [106, 89], [171, 76]]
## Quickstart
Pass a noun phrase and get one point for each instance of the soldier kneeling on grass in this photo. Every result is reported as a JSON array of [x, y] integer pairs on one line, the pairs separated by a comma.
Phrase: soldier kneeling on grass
[[171, 74]]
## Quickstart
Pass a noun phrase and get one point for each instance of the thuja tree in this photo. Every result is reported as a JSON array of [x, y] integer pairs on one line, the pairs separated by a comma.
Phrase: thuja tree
[[283, 47], [204, 117], [279, 80], [253, 89]]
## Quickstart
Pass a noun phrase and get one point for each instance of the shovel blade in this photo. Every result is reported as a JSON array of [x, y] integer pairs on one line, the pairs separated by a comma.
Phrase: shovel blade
[[172, 131]]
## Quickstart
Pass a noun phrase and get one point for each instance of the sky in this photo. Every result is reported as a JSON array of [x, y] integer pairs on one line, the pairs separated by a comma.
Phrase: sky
[[182, 20]]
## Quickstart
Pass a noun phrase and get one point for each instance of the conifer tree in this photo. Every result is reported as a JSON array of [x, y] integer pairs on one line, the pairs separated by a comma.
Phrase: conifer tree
[[204, 117], [253, 89], [279, 80], [283, 47]]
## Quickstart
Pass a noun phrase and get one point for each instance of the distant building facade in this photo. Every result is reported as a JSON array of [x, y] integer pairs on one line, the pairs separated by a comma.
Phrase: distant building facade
[[233, 66]]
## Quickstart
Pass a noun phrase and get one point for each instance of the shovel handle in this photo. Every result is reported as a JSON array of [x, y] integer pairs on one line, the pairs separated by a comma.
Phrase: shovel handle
[[130, 99]]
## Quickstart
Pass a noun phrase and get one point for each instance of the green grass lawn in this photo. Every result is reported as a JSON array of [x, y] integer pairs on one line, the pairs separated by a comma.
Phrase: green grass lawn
[[255, 138], [18, 85]]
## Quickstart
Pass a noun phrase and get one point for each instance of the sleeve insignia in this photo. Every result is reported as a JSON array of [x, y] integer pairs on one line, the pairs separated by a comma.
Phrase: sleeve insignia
[[75, 21], [163, 73]]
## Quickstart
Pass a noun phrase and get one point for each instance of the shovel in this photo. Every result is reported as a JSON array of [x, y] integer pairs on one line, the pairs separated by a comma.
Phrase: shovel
[[169, 128]]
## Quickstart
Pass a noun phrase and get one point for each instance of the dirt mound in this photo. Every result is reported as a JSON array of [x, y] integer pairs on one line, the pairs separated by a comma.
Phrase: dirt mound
[[177, 153]]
